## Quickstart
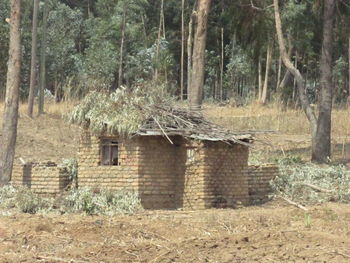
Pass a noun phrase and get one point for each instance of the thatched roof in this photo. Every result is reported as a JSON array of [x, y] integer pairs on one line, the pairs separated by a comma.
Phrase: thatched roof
[[169, 121], [147, 112]]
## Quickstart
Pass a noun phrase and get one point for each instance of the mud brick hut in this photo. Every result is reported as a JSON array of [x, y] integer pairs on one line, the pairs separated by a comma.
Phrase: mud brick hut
[[174, 159]]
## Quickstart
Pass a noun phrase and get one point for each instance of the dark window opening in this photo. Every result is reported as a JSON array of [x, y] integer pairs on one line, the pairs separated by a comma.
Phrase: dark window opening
[[109, 152]]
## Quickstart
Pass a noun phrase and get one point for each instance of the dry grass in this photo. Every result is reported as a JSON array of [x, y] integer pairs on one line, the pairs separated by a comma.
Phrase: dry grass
[[257, 117], [47, 137], [292, 129], [251, 117], [270, 233], [55, 139], [51, 108]]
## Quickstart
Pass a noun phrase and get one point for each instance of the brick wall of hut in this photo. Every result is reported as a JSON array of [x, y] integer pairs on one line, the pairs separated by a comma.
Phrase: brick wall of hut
[[186, 174], [160, 166], [219, 178], [259, 178], [227, 172], [92, 174], [191, 185], [41, 178], [164, 176]]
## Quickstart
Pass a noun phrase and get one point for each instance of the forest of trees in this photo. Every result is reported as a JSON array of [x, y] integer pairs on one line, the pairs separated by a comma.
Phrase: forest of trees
[[294, 52], [102, 44]]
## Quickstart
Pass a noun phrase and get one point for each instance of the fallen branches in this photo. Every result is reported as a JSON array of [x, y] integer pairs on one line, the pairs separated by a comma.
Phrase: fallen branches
[[64, 260], [293, 203], [310, 184], [316, 188]]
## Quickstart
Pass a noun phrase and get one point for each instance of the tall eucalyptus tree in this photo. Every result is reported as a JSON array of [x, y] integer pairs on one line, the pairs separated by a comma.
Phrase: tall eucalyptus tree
[[197, 76], [321, 126], [10, 117]]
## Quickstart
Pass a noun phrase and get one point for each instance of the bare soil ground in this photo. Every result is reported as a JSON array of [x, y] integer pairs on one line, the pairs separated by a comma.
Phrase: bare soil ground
[[272, 233]]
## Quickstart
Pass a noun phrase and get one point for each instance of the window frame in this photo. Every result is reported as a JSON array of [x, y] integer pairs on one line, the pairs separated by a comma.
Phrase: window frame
[[110, 144], [190, 155]]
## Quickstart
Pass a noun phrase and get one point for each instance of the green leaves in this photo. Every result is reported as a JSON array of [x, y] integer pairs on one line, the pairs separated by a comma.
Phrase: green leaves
[[120, 112], [309, 183], [64, 27]]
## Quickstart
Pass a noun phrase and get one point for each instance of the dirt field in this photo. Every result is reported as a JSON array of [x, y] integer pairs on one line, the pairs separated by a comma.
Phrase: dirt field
[[273, 233]]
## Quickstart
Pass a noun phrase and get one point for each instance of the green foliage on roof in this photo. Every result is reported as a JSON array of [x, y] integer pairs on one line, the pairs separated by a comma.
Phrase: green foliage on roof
[[121, 112]]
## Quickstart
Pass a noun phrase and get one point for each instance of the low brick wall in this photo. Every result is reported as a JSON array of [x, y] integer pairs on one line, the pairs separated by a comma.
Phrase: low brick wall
[[41, 178], [219, 177], [259, 178]]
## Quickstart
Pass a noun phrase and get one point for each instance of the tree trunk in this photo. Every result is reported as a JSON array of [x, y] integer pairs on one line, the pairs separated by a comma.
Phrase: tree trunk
[[121, 58], [33, 59], [189, 55], [182, 49], [163, 18], [322, 150], [197, 79], [159, 37], [259, 79], [57, 87], [287, 79], [279, 73], [10, 117], [144, 29], [222, 64], [43, 61], [232, 75], [267, 73], [349, 74], [295, 72], [88, 9], [294, 81]]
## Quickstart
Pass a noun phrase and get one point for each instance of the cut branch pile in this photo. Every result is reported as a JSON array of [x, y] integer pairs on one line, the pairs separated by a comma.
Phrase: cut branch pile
[[310, 184]]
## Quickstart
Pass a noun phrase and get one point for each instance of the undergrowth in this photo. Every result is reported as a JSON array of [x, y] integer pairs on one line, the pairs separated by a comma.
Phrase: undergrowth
[[101, 202], [24, 200], [82, 200], [309, 184], [71, 166]]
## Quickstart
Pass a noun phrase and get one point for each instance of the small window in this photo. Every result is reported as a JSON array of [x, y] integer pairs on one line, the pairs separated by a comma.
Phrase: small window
[[109, 152], [190, 156]]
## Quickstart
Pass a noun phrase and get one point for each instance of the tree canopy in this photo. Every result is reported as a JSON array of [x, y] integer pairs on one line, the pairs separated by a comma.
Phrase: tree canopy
[[84, 38]]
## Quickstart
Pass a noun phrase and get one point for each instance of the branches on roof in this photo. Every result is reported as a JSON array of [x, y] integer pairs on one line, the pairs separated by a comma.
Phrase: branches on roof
[[147, 112]]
